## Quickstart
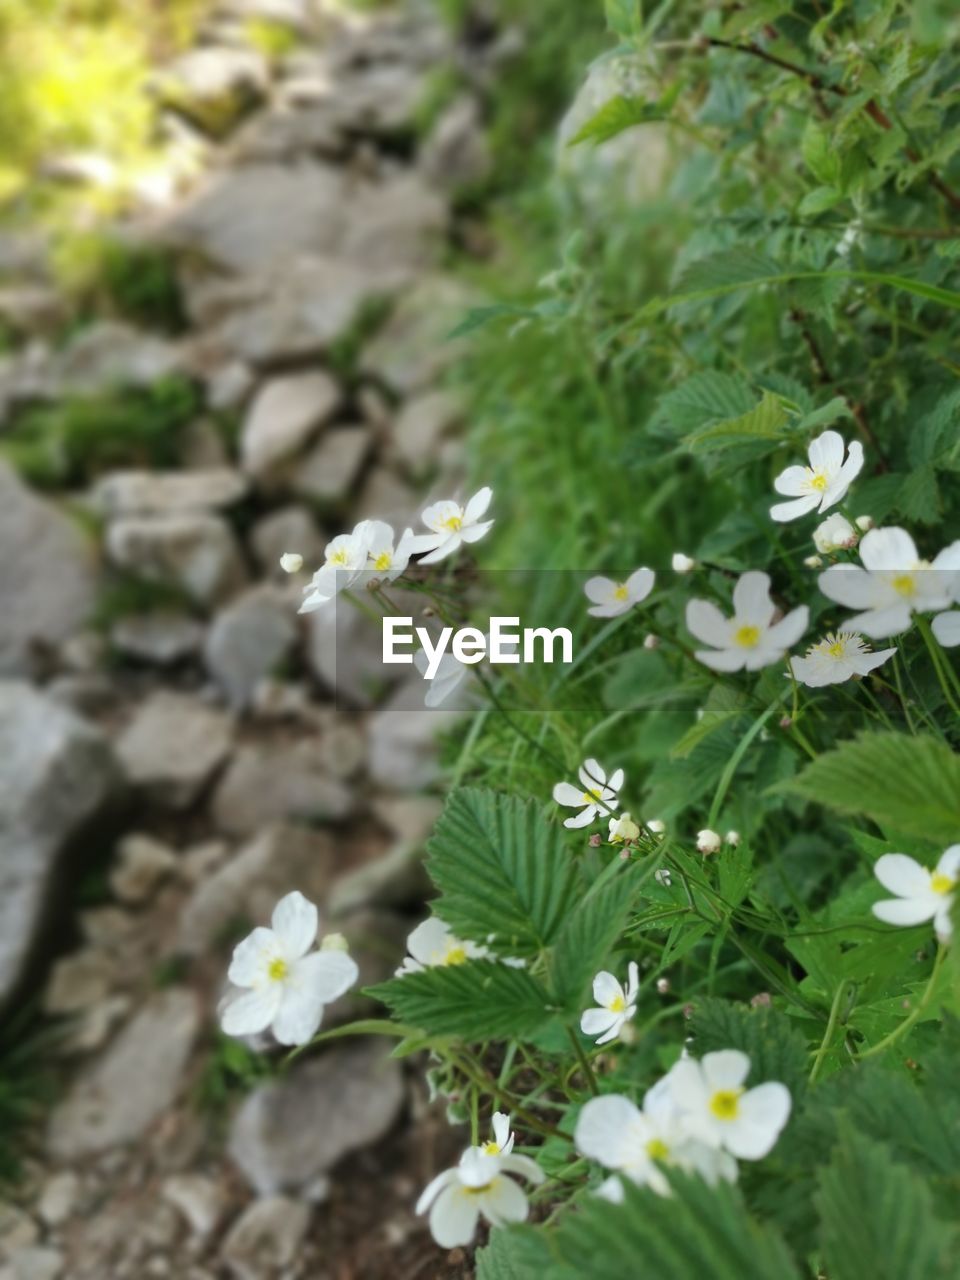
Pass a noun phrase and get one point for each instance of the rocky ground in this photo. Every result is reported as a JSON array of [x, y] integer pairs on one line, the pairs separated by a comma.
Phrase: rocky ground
[[168, 769]]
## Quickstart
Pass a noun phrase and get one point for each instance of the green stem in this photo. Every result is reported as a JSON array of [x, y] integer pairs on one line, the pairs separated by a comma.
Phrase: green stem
[[584, 1062], [914, 1016], [831, 1028]]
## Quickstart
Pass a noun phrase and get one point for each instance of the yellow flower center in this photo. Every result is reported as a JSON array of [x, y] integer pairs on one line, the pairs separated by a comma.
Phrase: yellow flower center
[[837, 649], [477, 1191], [941, 883], [617, 1004], [657, 1149], [620, 592], [818, 481], [338, 557], [382, 561], [491, 1148], [277, 970], [747, 637], [455, 955], [725, 1104], [592, 797], [905, 584], [454, 524]]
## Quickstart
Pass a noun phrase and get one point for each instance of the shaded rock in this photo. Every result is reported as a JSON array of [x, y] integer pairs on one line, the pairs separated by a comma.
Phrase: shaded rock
[[270, 783], [248, 640], [47, 566], [79, 980], [200, 1200], [301, 126], [143, 863], [409, 818], [414, 348], [396, 223], [160, 638], [402, 742], [17, 1229], [378, 98], [265, 1238], [57, 775], [34, 1263], [59, 1197], [397, 879], [110, 354], [248, 885], [291, 1130], [283, 417], [457, 156], [421, 425], [32, 308], [197, 553], [213, 86], [172, 747], [202, 445], [345, 652], [329, 471], [137, 493], [229, 386], [377, 940], [289, 529], [385, 496], [139, 1076]]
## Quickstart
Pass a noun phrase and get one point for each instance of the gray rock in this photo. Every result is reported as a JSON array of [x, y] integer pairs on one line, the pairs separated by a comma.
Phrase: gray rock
[[17, 1229], [414, 348], [138, 493], [289, 529], [57, 775], [229, 386], [47, 566], [249, 885], [32, 308], [291, 1130], [421, 425], [396, 879], [379, 99], [329, 471], [142, 864], [109, 354], [200, 1200], [277, 782], [248, 639], [197, 553], [397, 223], [202, 445], [139, 1076], [401, 752], [34, 1263], [173, 746], [457, 155], [59, 1197], [214, 86], [285, 414], [78, 981], [265, 1238], [345, 652], [301, 126], [160, 638], [385, 496]]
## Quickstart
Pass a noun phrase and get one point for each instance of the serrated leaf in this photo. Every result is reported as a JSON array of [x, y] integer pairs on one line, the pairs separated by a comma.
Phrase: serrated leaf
[[826, 414], [877, 1218], [514, 1253], [909, 783], [819, 200], [477, 1000], [620, 113], [709, 396], [727, 270], [589, 932], [768, 1037], [503, 871], [765, 421], [919, 497]]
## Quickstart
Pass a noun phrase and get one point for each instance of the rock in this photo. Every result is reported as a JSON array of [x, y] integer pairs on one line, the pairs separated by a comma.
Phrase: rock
[[160, 638], [214, 86], [329, 471], [249, 885], [265, 1238], [96, 1024], [117, 1099], [401, 743], [32, 308], [17, 1229], [293, 1129], [396, 223], [173, 746], [34, 1263], [409, 818], [289, 529], [196, 553], [229, 386], [79, 980], [301, 126], [274, 783], [421, 425], [201, 860], [48, 567], [200, 1200], [108, 354], [202, 444], [138, 493], [380, 99], [59, 1198], [57, 775], [457, 156], [397, 879], [414, 348], [248, 640], [345, 652], [143, 863], [286, 413]]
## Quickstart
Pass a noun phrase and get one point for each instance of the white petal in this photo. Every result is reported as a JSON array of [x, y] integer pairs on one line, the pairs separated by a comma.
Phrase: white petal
[[523, 1166], [505, 1201], [880, 624], [946, 628], [606, 989], [252, 956], [949, 864], [295, 922], [788, 630], [793, 482], [906, 911], [614, 783], [251, 1013], [477, 505], [751, 599], [433, 1189], [429, 940], [725, 1069], [501, 1130], [687, 1085], [614, 1030], [583, 819], [890, 548], [707, 624], [453, 1218], [763, 1113], [826, 452], [595, 1022], [591, 774], [850, 585], [298, 1017], [603, 1127], [784, 511], [325, 974], [474, 532], [438, 515], [640, 584], [613, 610], [446, 548], [902, 875], [867, 662], [599, 590], [722, 659], [567, 794]]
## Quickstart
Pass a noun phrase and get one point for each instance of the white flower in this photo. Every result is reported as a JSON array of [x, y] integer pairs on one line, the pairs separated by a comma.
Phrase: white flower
[[610, 599], [823, 483], [598, 795], [750, 638], [623, 828], [946, 628], [457, 1198], [291, 562], [386, 559], [893, 584], [921, 894], [680, 563], [615, 1132], [651, 642], [708, 841], [431, 944], [732, 838], [655, 826], [617, 1005], [451, 524], [288, 984], [345, 559], [835, 534], [720, 1111], [501, 1144], [839, 656]]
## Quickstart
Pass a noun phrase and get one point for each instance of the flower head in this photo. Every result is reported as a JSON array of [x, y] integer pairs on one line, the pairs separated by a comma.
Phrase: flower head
[[451, 524], [291, 562], [596, 795], [835, 534], [893, 584], [823, 483], [732, 838], [344, 561], [708, 841], [450, 675], [386, 557], [611, 598], [617, 1005], [920, 894], [839, 656], [623, 829], [431, 944], [750, 639], [719, 1110], [287, 983], [477, 1187]]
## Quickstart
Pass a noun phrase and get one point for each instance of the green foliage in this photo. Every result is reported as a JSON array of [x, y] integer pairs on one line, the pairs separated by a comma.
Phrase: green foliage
[[135, 282], [473, 1001], [26, 1087]]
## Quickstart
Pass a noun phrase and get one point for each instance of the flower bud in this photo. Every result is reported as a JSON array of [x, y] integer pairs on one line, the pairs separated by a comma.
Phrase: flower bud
[[681, 563], [708, 841], [655, 827], [732, 838], [651, 642], [291, 562], [595, 840], [627, 1033], [836, 533], [663, 985], [623, 828], [662, 877], [334, 942], [761, 1000], [864, 523], [813, 562], [785, 722]]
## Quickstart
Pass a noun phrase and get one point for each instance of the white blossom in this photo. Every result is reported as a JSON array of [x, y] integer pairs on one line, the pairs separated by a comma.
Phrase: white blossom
[[291, 562], [719, 1110], [865, 523], [617, 1005], [836, 533], [287, 983], [732, 838], [681, 563], [477, 1187], [387, 558], [610, 598], [345, 559], [920, 894], [813, 562], [431, 944], [450, 675], [823, 483], [750, 639], [708, 841], [597, 794], [623, 828], [451, 525], [838, 657]]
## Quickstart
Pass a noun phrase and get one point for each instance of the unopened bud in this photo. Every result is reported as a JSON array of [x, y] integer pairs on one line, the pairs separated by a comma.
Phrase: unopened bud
[[864, 523], [651, 642], [732, 838], [627, 1033], [785, 722], [595, 840], [761, 1000], [334, 942], [291, 562], [813, 562], [708, 841], [681, 563], [663, 985]]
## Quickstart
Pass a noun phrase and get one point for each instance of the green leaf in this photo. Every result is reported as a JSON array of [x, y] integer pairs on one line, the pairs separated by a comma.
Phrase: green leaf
[[765, 421], [909, 783], [504, 871], [768, 1037], [475, 1001], [820, 154], [624, 17], [877, 1218], [705, 398], [620, 113], [514, 1253], [590, 931], [819, 200]]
